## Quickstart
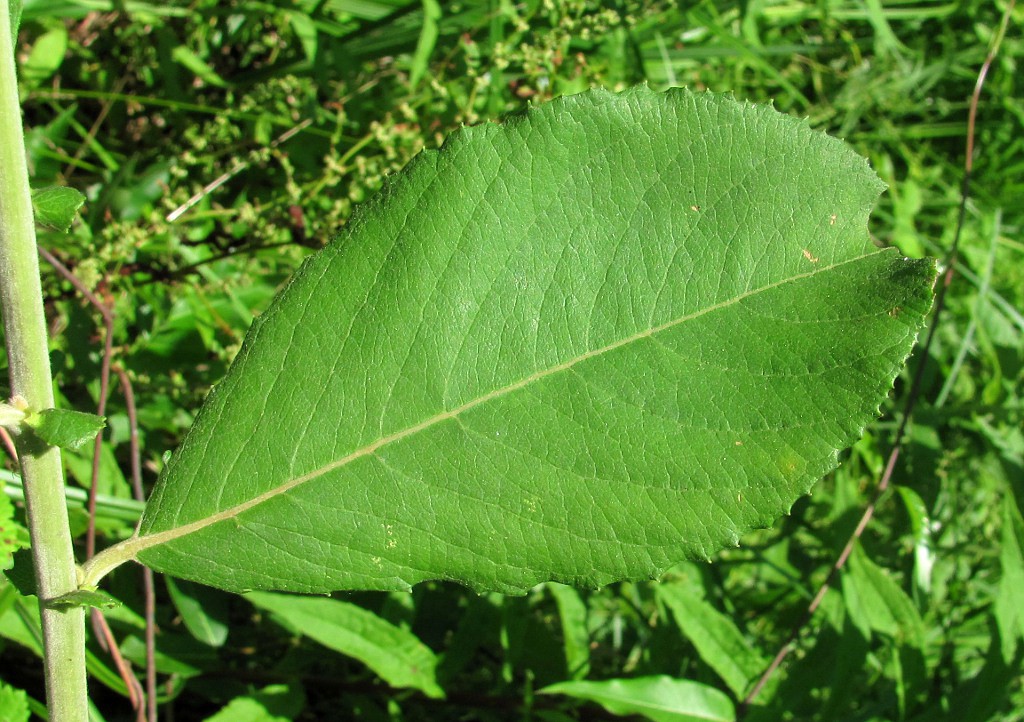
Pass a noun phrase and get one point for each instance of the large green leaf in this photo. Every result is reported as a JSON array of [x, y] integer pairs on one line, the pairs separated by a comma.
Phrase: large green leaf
[[605, 335]]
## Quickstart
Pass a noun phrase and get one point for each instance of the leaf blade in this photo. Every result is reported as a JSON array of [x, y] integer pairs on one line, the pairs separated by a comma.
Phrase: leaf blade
[[715, 637], [659, 698], [490, 335], [66, 428], [395, 654], [56, 206]]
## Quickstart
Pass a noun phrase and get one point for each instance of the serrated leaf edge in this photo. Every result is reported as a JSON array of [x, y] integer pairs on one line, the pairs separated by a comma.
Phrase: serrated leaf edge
[[129, 549]]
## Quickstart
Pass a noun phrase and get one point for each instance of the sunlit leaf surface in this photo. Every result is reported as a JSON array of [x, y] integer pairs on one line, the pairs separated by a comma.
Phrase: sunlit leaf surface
[[581, 345]]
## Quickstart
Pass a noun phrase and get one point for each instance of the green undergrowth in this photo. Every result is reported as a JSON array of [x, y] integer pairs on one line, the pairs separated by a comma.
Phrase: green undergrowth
[[296, 114]]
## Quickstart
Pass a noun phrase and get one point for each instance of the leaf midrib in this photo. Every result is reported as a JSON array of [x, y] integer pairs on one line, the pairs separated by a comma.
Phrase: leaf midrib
[[130, 548]]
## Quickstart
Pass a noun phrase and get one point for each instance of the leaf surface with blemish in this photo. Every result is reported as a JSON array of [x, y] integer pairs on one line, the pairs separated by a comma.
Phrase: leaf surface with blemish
[[581, 345]]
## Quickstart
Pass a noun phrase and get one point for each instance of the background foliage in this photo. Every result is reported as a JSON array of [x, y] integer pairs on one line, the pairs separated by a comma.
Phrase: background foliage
[[278, 119]]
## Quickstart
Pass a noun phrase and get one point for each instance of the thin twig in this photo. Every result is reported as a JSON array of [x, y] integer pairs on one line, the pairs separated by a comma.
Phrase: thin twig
[[147, 574], [8, 443], [123, 668], [101, 406], [915, 386], [74, 281]]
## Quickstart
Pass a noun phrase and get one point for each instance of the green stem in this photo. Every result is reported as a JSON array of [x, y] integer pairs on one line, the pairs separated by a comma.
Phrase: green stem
[[29, 363]]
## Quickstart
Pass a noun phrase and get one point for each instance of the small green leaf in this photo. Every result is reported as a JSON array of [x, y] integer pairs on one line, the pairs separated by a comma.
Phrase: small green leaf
[[661, 698], [21, 572], [13, 536], [572, 610], [715, 636], [276, 703], [176, 654], [56, 206], [1009, 606], [13, 704], [305, 30], [920, 528], [45, 58], [84, 597], [66, 428], [203, 610], [183, 55], [395, 654]]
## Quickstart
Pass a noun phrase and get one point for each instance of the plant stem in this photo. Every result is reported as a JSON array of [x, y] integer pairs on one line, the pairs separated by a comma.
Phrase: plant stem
[[29, 363]]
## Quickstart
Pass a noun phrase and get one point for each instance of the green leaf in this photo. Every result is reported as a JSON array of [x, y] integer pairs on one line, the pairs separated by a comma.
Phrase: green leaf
[[85, 597], [13, 704], [46, 56], [203, 610], [65, 428], [479, 627], [56, 206], [13, 536], [305, 30], [716, 638], [609, 334], [14, 9], [183, 55], [21, 571], [572, 611], [661, 698], [276, 703], [176, 654], [394, 654], [979, 698], [1010, 598], [876, 603], [427, 40], [920, 527]]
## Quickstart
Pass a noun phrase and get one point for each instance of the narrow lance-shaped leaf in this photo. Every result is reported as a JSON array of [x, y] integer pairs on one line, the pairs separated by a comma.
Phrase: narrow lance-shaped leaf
[[394, 653], [1008, 613], [275, 703], [715, 637], [605, 335], [661, 698]]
